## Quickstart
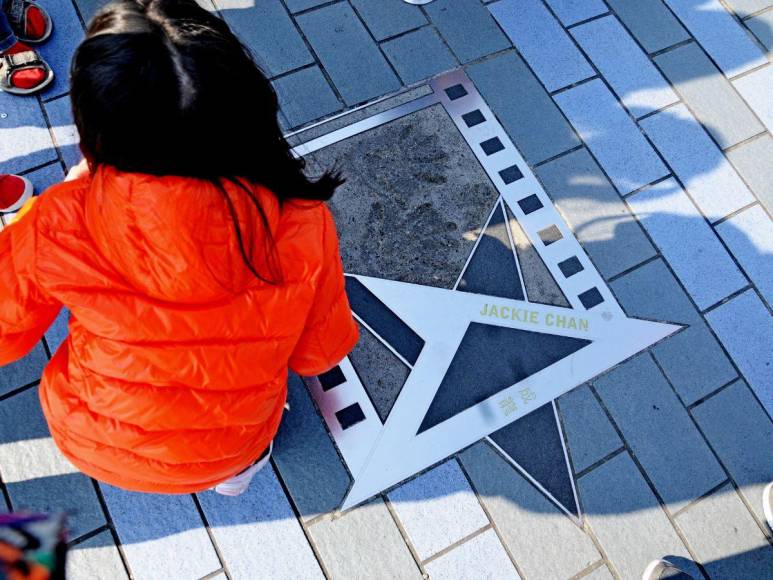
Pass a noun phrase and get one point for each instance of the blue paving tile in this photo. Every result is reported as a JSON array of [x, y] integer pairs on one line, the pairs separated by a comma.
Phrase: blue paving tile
[[720, 34], [351, 58], [88, 8], [65, 133], [387, 18], [305, 96], [627, 69], [299, 5], [533, 29], [687, 242], [268, 31], [659, 431], [525, 110], [60, 47], [572, 11], [45, 177], [24, 371], [651, 23], [692, 359], [745, 327], [57, 332], [24, 138], [419, 55], [611, 136], [467, 27], [590, 435], [762, 27], [745, 7]]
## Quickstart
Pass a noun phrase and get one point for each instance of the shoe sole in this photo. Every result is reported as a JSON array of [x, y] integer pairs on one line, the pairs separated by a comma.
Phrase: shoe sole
[[25, 196], [33, 90], [46, 34]]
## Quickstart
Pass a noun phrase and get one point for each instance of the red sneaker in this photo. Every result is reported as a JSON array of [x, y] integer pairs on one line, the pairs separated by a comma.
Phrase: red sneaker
[[29, 20], [14, 192], [23, 71]]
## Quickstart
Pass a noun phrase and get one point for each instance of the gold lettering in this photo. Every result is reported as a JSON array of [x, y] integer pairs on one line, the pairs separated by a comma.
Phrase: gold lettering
[[502, 311], [561, 321], [484, 312], [583, 324], [572, 323], [493, 311], [549, 319], [533, 317]]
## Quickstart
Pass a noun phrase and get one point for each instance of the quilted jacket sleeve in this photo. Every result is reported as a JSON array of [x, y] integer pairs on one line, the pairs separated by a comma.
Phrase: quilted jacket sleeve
[[330, 332], [25, 312]]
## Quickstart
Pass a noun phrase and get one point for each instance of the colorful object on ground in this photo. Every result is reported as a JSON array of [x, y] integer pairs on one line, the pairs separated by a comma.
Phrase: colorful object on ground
[[32, 546]]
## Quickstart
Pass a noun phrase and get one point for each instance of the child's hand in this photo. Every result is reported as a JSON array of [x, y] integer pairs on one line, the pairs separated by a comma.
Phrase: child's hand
[[78, 171]]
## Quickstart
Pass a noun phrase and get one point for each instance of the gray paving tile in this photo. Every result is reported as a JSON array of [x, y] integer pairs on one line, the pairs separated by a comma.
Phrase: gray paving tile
[[599, 218], [589, 434], [627, 519], [162, 535], [600, 573], [515, 505], [523, 107], [269, 33], [437, 509], [24, 371], [36, 474], [745, 7], [24, 138], [762, 27], [65, 133], [659, 431], [749, 236], [696, 160], [741, 434], [687, 242], [387, 18], [305, 96], [651, 23], [611, 135], [725, 538], [692, 359], [756, 88], [467, 27], [625, 66], [745, 327], [60, 47], [709, 94], [754, 162], [532, 28], [573, 11], [306, 458], [419, 55], [57, 332], [257, 533], [720, 34], [483, 557], [351, 58], [365, 538], [96, 558], [299, 5]]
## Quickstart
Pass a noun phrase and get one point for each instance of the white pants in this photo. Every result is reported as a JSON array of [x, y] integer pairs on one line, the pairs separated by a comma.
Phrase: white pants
[[239, 483]]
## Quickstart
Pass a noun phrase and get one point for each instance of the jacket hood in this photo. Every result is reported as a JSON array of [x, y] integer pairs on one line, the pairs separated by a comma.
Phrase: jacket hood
[[172, 238]]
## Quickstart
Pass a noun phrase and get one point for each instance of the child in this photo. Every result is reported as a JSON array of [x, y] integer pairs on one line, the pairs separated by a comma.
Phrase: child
[[197, 260], [22, 71]]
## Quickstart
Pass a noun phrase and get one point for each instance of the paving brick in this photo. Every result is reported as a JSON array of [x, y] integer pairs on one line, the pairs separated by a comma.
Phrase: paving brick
[[725, 538], [611, 136], [365, 538], [745, 7], [24, 371], [299, 5], [437, 509], [709, 94], [36, 474], [749, 236], [24, 138], [268, 31], [351, 58], [419, 55], [589, 433], [573, 11], [65, 133], [258, 534], [627, 519], [659, 431], [305, 96], [741, 434], [762, 27], [600, 220], [687, 242], [627, 69], [98, 558], [745, 327], [515, 505], [162, 535], [696, 160], [483, 557], [387, 18], [756, 88], [45, 177], [88, 8], [600, 573], [523, 107], [720, 34], [531, 27], [651, 23], [57, 332], [60, 47], [754, 162], [306, 458], [467, 27], [692, 359]]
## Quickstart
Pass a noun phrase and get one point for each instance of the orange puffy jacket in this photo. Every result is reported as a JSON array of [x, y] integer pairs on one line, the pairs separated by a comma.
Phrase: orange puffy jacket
[[174, 375]]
